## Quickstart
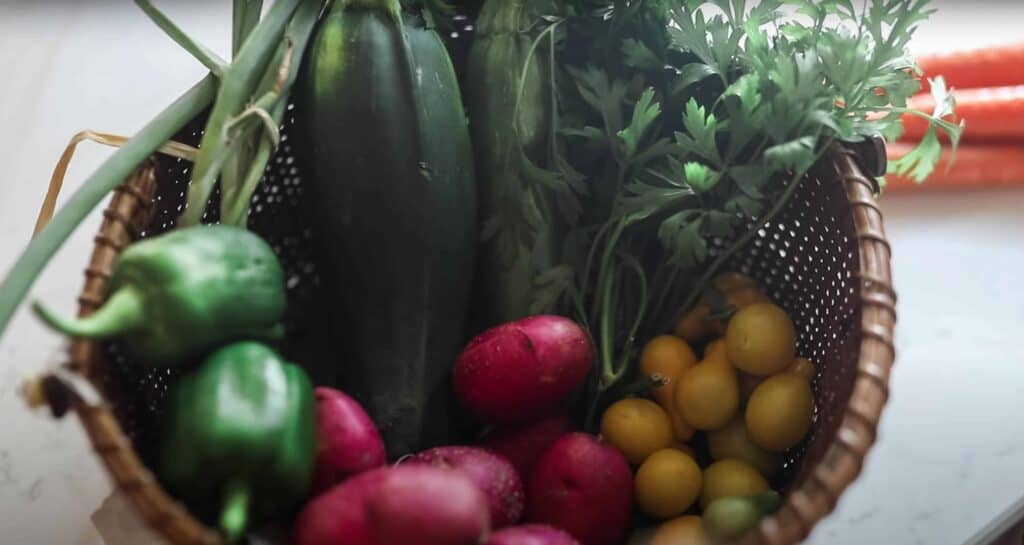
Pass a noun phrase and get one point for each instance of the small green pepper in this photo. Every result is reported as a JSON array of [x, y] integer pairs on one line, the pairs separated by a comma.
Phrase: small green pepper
[[179, 294], [239, 437]]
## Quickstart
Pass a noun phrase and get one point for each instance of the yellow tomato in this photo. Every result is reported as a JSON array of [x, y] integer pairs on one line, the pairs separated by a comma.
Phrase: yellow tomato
[[637, 427], [761, 339], [708, 395], [715, 350], [686, 530], [743, 298], [685, 449], [748, 383], [730, 477], [779, 411], [734, 281], [739, 291], [694, 325], [667, 484], [680, 427], [802, 367], [732, 441], [669, 357]]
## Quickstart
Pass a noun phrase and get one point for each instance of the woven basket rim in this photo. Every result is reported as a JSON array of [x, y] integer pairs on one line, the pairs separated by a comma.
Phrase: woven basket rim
[[818, 493], [806, 504]]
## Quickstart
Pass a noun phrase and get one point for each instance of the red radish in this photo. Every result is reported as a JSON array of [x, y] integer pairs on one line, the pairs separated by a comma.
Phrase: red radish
[[523, 444], [347, 441], [520, 370], [491, 473], [583, 486], [532, 534], [338, 516], [427, 506], [341, 516]]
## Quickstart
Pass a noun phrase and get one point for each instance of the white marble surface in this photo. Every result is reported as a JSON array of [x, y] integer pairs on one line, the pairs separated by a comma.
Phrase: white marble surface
[[950, 454]]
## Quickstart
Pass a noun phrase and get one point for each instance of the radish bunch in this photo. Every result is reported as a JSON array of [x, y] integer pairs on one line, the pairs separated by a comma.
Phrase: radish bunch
[[568, 487]]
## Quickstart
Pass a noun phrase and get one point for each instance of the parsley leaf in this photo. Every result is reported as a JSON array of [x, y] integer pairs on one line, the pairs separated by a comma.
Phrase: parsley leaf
[[639, 55], [919, 162], [699, 137], [645, 113]]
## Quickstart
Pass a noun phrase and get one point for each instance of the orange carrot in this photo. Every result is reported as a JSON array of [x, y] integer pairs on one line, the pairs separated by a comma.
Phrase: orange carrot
[[991, 114], [975, 166], [988, 67]]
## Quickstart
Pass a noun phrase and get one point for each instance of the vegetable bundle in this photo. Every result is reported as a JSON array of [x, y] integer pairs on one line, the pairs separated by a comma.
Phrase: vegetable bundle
[[622, 152]]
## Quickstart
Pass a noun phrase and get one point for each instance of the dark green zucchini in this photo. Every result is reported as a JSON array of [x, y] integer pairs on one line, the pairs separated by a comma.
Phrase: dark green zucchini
[[500, 64], [389, 181]]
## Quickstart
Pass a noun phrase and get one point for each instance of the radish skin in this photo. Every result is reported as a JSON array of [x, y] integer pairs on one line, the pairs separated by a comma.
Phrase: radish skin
[[491, 473], [347, 441], [583, 486], [521, 370], [427, 506], [356, 511], [338, 516], [522, 445], [532, 534]]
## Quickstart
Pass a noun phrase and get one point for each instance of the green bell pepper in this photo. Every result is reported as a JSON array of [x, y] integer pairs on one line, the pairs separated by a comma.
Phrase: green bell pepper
[[180, 294], [239, 437]]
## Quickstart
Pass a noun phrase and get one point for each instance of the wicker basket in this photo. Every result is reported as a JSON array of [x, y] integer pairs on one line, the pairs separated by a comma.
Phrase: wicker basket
[[824, 258]]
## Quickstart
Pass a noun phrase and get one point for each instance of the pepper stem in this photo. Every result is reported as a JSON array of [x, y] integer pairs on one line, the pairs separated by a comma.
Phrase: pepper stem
[[122, 313], [235, 515]]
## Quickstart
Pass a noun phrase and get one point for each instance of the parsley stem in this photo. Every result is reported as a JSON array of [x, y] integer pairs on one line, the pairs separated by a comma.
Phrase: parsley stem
[[626, 354], [603, 303], [663, 288], [588, 266], [607, 325]]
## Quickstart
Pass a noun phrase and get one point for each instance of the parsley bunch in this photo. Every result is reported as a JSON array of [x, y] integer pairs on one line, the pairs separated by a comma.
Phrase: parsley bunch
[[682, 123]]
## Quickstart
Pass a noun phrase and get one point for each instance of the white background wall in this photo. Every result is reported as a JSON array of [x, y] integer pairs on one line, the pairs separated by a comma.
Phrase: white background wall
[[951, 451]]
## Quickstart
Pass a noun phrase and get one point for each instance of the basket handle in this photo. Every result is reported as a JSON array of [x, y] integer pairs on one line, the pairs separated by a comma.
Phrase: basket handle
[[172, 148]]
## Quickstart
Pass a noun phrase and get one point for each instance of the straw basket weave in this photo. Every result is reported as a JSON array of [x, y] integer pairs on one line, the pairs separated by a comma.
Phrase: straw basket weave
[[825, 259]]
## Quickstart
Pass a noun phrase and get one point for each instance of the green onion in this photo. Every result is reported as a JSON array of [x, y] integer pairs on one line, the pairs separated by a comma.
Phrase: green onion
[[110, 174], [277, 82], [246, 15], [237, 87], [203, 54]]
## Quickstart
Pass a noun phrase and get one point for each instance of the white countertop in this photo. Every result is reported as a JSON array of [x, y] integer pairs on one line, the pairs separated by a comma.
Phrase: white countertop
[[950, 454]]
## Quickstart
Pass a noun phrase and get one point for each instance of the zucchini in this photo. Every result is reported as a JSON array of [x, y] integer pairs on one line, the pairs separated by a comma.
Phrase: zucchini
[[391, 196], [500, 61]]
